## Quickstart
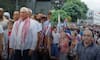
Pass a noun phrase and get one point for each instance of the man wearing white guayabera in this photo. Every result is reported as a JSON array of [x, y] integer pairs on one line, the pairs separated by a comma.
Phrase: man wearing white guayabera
[[23, 39]]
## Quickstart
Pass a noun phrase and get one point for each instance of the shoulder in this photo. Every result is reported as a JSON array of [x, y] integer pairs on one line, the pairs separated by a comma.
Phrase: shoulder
[[6, 20], [16, 23], [33, 25], [96, 48], [32, 22]]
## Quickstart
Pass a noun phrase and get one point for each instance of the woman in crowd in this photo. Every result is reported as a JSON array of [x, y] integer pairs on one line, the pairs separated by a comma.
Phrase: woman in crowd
[[7, 34]]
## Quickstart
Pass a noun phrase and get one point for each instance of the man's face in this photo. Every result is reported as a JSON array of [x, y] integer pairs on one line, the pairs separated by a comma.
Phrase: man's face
[[23, 14], [10, 25], [16, 15], [87, 36], [38, 16], [1, 13]]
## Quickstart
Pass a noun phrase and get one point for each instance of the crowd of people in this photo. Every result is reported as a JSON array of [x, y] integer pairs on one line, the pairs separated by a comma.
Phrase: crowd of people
[[33, 37]]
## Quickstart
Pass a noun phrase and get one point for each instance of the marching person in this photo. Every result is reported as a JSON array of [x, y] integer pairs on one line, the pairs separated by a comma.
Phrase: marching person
[[55, 42], [23, 39], [63, 45], [7, 34]]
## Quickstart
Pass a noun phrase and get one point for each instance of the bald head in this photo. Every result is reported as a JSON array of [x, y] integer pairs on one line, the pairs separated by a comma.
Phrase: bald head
[[88, 32]]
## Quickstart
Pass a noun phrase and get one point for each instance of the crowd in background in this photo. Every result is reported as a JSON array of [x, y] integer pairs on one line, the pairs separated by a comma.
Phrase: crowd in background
[[32, 37]]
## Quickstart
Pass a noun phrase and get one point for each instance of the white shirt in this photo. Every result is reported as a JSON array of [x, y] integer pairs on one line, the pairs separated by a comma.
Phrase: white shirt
[[1, 29], [38, 25], [19, 35], [30, 40], [56, 37]]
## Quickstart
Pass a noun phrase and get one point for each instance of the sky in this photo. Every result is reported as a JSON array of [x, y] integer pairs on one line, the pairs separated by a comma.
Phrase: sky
[[93, 4]]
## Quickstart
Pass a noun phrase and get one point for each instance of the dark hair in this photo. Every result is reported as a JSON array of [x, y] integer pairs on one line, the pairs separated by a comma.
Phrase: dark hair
[[11, 21], [99, 34], [54, 27], [49, 13]]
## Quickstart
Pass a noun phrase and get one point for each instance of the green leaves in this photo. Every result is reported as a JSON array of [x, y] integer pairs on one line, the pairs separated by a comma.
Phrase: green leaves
[[72, 8], [54, 16], [76, 9]]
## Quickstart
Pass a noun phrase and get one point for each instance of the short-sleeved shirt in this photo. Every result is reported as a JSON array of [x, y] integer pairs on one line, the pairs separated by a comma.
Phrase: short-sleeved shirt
[[38, 25], [92, 52]]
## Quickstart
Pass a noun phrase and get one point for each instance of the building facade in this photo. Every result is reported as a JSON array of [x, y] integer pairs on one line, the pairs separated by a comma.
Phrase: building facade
[[36, 5]]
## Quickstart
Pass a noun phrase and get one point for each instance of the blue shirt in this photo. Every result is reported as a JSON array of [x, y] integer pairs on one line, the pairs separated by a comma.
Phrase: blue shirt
[[92, 52]]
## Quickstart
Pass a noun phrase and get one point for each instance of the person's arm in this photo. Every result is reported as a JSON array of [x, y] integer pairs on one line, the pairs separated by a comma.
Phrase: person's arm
[[1, 39], [34, 39], [1, 43], [39, 40], [39, 36]]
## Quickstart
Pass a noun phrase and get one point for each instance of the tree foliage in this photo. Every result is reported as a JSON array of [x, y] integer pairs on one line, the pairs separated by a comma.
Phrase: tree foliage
[[54, 16], [55, 13], [76, 9]]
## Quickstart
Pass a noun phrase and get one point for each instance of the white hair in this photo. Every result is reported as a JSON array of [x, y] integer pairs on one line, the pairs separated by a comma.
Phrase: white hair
[[30, 10], [7, 14], [24, 9]]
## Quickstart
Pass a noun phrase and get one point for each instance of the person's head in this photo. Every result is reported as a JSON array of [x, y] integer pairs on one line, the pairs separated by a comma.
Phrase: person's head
[[15, 15], [10, 24], [74, 35], [38, 16], [49, 15], [24, 13], [54, 28], [87, 36], [73, 44], [1, 12], [7, 15], [43, 18], [30, 12]]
